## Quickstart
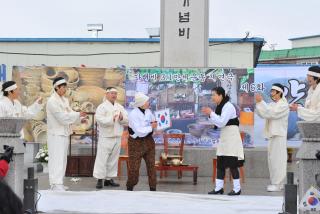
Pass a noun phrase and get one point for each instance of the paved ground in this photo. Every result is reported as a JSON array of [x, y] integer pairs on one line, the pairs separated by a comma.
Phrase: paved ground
[[252, 186]]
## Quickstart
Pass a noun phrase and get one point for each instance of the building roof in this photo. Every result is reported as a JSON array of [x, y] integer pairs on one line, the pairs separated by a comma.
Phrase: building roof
[[211, 40], [306, 52], [257, 42], [305, 37]]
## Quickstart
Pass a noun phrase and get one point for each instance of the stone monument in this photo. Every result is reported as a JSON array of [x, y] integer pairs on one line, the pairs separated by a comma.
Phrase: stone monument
[[309, 165], [10, 129]]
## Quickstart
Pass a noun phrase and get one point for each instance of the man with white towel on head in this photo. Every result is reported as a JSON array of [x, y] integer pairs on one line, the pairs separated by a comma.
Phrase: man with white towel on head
[[10, 106], [276, 115], [111, 118], [311, 109], [60, 116]]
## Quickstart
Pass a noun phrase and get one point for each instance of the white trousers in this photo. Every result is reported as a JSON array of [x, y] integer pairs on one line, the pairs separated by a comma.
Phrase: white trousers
[[277, 159], [108, 152], [58, 151]]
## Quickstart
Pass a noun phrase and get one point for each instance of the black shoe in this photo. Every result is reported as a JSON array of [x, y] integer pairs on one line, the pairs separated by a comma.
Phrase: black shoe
[[129, 188], [153, 189], [99, 184], [111, 183], [213, 192], [234, 193]]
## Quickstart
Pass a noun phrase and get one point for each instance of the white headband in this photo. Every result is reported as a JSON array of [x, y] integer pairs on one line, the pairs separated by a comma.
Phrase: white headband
[[277, 88], [111, 90], [314, 74], [11, 88], [59, 82]]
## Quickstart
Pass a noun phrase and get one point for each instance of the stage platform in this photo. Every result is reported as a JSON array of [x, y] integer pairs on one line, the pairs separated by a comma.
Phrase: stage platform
[[256, 161]]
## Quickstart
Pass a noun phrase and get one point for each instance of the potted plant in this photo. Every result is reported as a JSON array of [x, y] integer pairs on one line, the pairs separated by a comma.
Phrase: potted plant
[[43, 157]]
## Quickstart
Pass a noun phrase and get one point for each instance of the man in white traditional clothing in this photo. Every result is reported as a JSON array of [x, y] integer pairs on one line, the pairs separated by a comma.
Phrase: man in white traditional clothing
[[111, 118], [311, 109], [59, 118], [276, 126], [141, 144], [10, 105], [230, 148]]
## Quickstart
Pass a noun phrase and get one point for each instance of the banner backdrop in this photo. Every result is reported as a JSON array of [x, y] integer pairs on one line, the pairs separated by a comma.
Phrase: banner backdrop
[[296, 88], [185, 91]]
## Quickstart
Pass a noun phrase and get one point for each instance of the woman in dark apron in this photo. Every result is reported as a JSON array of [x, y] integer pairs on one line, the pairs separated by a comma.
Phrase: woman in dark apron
[[229, 149]]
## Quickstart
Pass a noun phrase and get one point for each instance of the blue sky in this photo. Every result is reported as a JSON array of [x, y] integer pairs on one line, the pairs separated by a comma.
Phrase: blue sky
[[275, 20]]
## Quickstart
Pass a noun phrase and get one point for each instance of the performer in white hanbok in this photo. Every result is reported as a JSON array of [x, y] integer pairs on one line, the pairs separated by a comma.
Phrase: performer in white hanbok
[[111, 117], [276, 126], [230, 148], [10, 105], [59, 118], [311, 109]]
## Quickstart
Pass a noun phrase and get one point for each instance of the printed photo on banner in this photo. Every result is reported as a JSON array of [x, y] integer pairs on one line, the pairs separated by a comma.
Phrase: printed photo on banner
[[86, 90], [185, 91], [163, 119]]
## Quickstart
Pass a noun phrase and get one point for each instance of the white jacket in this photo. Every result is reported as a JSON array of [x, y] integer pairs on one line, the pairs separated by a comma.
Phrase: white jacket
[[140, 122], [104, 117], [311, 109], [60, 115], [16, 109], [276, 115]]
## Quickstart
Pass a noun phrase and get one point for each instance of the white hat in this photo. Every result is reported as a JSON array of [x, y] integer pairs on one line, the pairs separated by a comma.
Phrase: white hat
[[140, 99]]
